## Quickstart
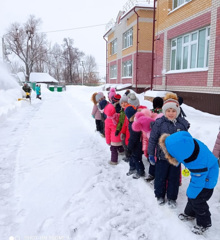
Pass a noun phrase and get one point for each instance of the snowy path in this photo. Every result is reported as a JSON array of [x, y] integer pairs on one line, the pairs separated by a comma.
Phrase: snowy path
[[55, 180]]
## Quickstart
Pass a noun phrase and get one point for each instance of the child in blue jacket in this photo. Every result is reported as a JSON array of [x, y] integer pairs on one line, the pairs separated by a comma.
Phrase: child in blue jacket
[[166, 176], [182, 148]]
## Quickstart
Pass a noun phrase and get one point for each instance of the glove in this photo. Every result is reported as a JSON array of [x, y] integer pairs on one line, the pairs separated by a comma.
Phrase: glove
[[117, 132], [151, 159], [93, 116], [122, 136]]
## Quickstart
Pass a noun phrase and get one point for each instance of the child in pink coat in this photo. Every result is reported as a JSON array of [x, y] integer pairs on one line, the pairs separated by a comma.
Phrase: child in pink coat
[[110, 127]]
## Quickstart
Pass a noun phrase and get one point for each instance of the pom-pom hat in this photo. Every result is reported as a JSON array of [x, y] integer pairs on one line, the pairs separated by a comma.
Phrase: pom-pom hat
[[133, 100], [116, 98], [171, 101]]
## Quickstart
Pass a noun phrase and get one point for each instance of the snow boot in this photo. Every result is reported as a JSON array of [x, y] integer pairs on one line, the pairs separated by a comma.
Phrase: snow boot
[[199, 230], [183, 217], [172, 203], [130, 172], [149, 178], [113, 163], [161, 201]]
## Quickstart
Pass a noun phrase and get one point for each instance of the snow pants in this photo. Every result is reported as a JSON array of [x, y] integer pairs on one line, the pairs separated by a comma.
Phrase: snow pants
[[114, 152], [166, 180], [199, 208], [135, 160]]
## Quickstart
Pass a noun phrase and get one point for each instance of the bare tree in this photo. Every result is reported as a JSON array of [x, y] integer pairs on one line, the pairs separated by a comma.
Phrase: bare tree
[[71, 59], [90, 70], [25, 42]]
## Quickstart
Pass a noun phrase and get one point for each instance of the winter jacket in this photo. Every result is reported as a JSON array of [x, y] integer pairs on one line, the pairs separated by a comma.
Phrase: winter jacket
[[26, 88], [117, 107], [96, 113], [134, 141], [110, 126], [160, 126], [38, 91], [216, 149], [195, 155], [125, 130]]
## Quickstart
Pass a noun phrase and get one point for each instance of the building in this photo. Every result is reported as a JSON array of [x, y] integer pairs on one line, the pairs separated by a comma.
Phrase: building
[[129, 47], [187, 47], [186, 50]]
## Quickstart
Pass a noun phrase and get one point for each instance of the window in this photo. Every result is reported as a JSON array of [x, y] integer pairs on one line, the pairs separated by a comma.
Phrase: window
[[113, 71], [177, 3], [127, 69], [113, 47], [128, 38], [191, 50]]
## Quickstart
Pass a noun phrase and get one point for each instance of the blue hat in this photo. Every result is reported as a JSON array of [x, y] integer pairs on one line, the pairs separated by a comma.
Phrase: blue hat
[[130, 111], [102, 104]]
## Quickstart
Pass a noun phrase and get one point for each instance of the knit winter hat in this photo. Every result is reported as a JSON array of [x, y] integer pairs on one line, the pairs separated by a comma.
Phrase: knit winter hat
[[116, 98], [123, 99], [99, 96], [157, 102], [171, 101], [133, 100], [102, 104], [111, 93], [130, 111]]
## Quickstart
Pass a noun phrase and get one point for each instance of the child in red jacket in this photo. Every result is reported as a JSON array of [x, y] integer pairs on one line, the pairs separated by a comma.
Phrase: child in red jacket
[[110, 127]]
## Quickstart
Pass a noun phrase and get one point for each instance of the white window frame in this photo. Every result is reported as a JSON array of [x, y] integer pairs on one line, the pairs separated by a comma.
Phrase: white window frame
[[113, 71], [113, 46], [127, 38], [189, 44], [127, 69], [179, 3]]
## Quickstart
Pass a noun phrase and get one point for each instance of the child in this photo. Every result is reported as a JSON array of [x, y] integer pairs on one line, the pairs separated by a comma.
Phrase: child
[[165, 172], [122, 126], [110, 128], [216, 149], [141, 124], [134, 147], [116, 102], [179, 148], [96, 113], [38, 91], [111, 94]]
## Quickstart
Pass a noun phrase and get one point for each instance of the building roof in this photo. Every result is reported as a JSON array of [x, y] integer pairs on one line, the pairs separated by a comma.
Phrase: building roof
[[42, 77]]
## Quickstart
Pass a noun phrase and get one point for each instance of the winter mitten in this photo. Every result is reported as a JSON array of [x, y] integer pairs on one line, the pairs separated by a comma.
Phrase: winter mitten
[[117, 132], [151, 159], [93, 116], [122, 136]]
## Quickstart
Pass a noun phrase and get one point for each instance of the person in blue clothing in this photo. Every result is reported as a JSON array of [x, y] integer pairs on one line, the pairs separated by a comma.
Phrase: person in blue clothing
[[38, 91], [166, 175], [181, 147]]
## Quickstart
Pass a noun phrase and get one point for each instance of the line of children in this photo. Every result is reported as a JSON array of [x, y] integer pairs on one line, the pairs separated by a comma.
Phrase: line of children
[[165, 153]]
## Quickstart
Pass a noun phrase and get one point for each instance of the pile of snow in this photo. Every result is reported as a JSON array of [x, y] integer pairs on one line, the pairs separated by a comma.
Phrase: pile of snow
[[10, 91]]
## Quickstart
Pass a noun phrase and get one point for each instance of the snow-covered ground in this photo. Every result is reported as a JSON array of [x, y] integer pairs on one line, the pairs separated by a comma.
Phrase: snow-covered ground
[[56, 183]]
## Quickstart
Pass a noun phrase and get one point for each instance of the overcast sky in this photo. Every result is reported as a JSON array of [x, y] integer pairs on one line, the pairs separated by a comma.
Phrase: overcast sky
[[66, 14]]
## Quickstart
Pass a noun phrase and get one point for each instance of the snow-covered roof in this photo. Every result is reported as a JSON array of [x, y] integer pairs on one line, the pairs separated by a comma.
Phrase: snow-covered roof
[[42, 77]]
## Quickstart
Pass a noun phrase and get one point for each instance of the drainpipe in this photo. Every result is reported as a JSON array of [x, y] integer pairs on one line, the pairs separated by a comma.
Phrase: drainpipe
[[106, 60], [137, 48], [152, 64]]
